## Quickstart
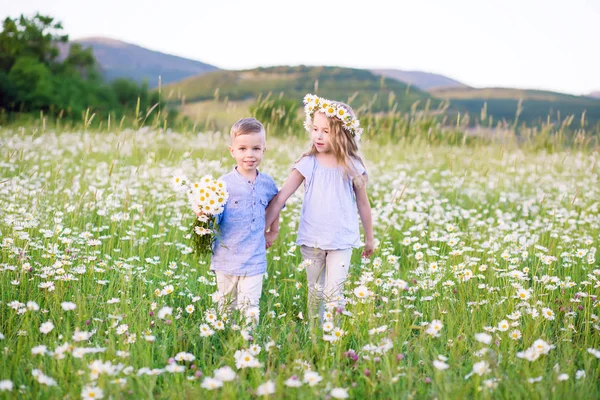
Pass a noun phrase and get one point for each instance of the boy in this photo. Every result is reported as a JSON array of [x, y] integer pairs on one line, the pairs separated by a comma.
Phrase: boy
[[239, 258]]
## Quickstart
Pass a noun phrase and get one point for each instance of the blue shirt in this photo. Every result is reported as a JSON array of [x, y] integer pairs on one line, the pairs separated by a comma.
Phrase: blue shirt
[[329, 216], [239, 248]]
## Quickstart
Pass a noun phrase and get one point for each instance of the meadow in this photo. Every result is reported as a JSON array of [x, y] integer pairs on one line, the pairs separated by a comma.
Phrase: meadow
[[484, 283]]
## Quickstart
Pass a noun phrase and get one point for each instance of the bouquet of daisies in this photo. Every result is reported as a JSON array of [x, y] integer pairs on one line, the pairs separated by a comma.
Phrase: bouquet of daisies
[[207, 199]]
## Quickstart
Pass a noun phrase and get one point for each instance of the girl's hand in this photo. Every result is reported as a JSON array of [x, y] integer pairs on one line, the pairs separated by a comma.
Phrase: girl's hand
[[368, 251]]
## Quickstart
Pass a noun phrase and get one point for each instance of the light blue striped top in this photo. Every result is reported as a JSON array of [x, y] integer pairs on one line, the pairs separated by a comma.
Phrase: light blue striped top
[[240, 247], [329, 216]]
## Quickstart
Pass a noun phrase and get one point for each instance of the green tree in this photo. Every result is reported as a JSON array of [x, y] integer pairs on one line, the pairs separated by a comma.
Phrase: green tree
[[33, 83], [35, 37]]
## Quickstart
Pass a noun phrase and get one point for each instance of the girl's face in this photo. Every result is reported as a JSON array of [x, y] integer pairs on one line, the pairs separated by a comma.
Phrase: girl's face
[[320, 133]]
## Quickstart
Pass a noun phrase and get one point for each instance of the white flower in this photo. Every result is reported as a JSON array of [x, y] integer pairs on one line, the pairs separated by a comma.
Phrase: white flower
[[189, 308], [440, 365], [484, 338], [580, 374], [225, 374], [245, 359], [563, 377], [211, 383], [68, 306], [43, 379], [32, 306], [6, 386], [206, 331], [121, 329], [164, 312], [434, 328], [312, 378], [293, 382], [183, 356], [361, 292], [515, 334], [594, 352], [265, 389], [548, 314], [79, 336], [92, 392], [339, 393], [481, 368], [46, 327], [41, 349], [523, 294], [503, 325]]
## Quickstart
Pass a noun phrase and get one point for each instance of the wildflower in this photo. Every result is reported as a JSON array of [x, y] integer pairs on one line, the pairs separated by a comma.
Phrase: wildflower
[[46, 327], [312, 378], [211, 383], [434, 328], [440, 365], [503, 325], [164, 312], [265, 389], [515, 334], [361, 292], [484, 338], [92, 392], [67, 306], [293, 382], [339, 393], [225, 374], [548, 314]]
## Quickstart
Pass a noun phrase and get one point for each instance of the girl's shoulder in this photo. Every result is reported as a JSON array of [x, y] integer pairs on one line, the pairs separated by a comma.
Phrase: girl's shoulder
[[357, 166], [305, 164]]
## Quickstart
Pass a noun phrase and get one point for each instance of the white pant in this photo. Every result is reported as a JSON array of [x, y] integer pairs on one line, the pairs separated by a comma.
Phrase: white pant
[[240, 292], [326, 275]]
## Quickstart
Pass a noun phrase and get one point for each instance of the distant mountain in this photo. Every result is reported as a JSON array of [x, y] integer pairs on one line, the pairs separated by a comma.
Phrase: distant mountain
[[119, 59], [422, 80], [595, 94], [358, 87]]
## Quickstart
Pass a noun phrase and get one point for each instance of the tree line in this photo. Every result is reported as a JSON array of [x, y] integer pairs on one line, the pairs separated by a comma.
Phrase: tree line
[[35, 77]]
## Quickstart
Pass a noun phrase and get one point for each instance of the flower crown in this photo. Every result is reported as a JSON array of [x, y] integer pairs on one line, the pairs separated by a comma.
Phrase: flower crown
[[313, 103]]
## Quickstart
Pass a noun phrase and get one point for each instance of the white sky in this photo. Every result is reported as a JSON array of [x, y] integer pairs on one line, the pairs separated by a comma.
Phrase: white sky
[[551, 44]]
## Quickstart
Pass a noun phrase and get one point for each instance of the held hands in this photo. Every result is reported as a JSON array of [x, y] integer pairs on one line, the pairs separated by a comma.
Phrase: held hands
[[270, 237], [368, 250]]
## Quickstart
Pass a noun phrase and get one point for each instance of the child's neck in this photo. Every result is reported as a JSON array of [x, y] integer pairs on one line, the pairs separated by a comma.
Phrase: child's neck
[[327, 159], [250, 175]]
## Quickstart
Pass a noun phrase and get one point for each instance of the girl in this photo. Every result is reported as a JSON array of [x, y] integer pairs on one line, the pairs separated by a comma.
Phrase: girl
[[335, 180]]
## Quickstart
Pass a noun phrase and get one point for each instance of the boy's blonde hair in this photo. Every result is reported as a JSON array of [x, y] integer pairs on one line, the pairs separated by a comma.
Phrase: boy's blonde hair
[[343, 145], [247, 126]]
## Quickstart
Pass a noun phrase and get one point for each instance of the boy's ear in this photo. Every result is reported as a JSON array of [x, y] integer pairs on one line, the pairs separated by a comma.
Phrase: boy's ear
[[231, 151]]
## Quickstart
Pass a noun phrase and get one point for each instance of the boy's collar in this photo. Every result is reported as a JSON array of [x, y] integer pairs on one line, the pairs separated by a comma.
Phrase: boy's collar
[[242, 177]]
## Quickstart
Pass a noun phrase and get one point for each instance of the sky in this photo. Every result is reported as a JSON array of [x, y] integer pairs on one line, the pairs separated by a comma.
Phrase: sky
[[534, 44]]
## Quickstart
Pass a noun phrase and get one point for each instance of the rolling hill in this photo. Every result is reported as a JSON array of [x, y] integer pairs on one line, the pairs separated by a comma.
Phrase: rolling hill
[[356, 86], [537, 105], [119, 59]]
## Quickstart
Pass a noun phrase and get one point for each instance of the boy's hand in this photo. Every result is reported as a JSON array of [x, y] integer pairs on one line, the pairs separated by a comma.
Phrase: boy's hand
[[368, 251], [270, 237]]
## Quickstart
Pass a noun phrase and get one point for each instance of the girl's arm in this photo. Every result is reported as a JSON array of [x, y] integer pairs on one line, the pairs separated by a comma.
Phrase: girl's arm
[[364, 210], [292, 183]]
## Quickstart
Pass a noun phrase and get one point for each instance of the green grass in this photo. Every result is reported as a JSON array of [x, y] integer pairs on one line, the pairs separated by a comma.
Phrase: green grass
[[441, 211]]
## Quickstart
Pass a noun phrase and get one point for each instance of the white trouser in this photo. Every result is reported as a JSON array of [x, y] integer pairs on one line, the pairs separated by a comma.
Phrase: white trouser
[[241, 292], [326, 275]]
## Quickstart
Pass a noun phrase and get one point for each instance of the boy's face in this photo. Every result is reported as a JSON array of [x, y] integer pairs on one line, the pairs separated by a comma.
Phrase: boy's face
[[248, 151]]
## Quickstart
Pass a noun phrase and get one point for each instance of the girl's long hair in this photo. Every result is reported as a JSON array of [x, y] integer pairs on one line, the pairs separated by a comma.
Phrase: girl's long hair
[[343, 145]]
